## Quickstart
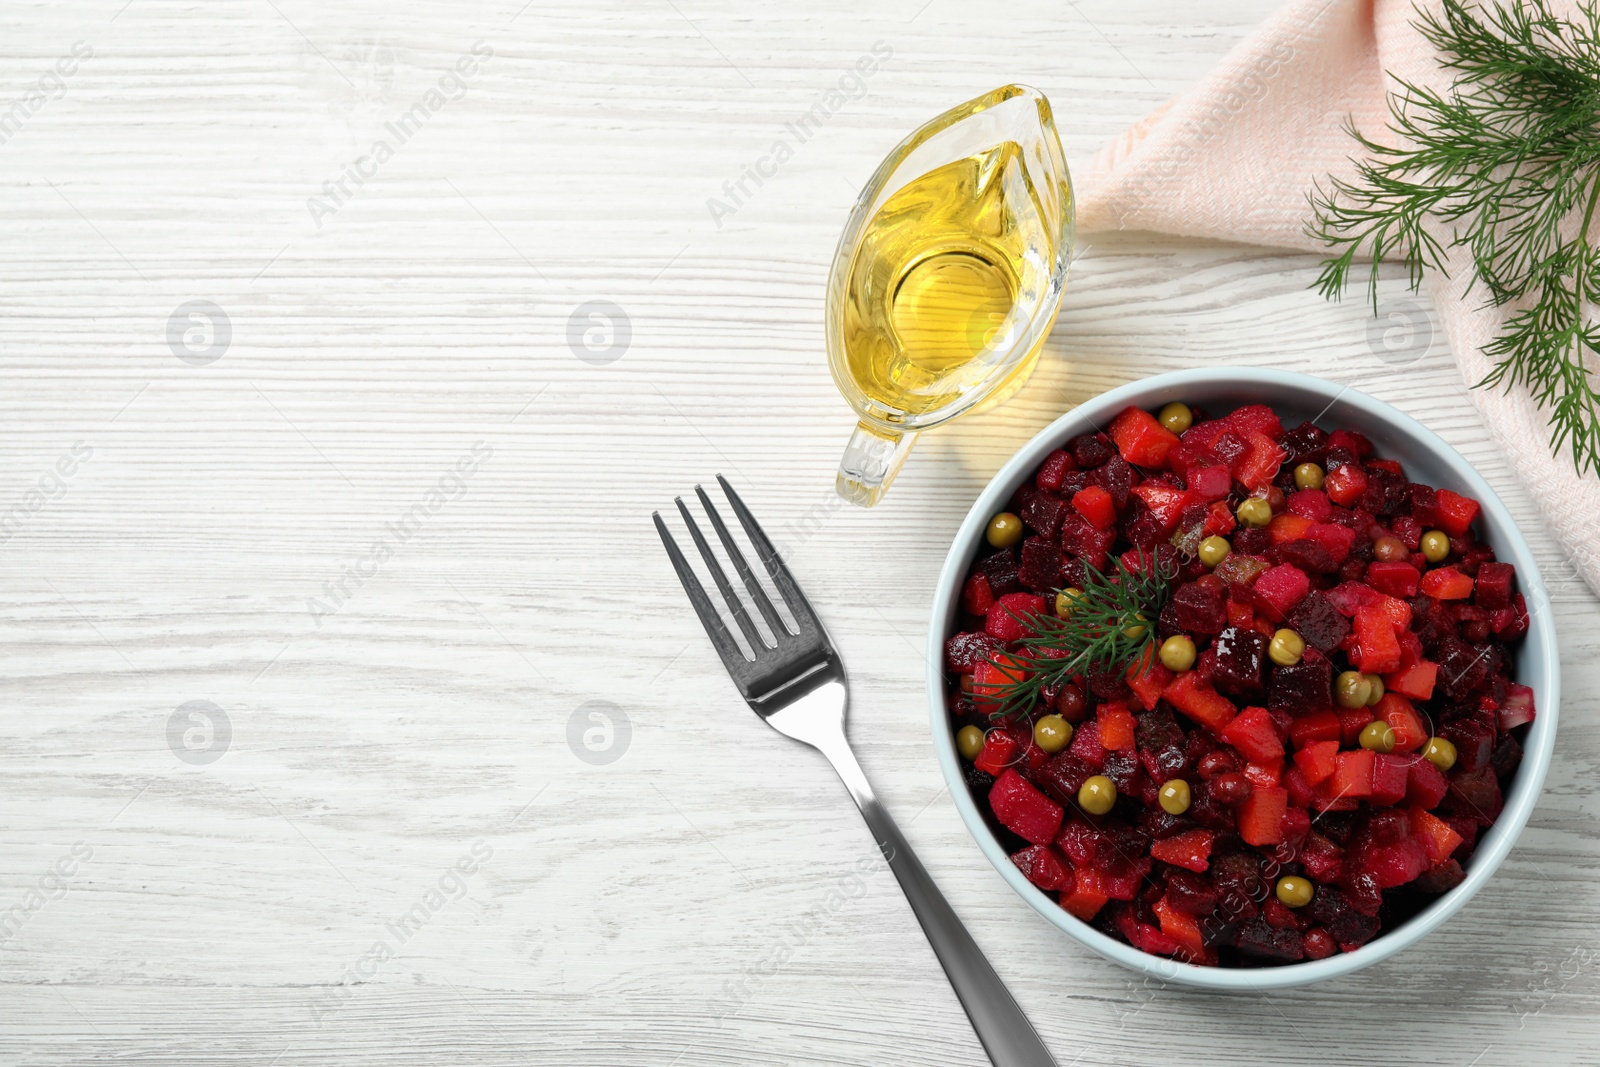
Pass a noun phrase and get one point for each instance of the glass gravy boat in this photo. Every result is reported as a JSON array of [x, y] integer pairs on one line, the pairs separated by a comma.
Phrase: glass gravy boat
[[948, 277]]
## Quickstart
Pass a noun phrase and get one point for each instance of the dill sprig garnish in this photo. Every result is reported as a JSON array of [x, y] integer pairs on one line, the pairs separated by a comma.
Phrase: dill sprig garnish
[[1502, 163], [1111, 624]]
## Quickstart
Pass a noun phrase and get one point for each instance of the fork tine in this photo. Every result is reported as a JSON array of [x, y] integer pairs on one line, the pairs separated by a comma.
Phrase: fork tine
[[721, 639], [729, 597], [757, 594], [799, 606]]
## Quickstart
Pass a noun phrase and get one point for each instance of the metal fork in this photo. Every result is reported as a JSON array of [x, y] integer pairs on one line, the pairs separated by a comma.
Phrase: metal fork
[[799, 687]]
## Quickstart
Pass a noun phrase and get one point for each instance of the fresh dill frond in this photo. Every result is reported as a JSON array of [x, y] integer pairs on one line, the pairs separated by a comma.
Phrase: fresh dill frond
[[1111, 623], [1505, 163]]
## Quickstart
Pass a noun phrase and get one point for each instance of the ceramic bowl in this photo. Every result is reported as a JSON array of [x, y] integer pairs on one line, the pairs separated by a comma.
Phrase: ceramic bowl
[[1427, 459]]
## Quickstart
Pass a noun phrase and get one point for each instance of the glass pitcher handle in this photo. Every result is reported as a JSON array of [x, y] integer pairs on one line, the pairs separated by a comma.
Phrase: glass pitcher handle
[[871, 460]]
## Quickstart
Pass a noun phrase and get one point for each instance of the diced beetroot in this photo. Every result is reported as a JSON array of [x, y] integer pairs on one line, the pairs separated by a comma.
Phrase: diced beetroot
[[992, 678], [1196, 699], [1054, 469], [1323, 859], [1492, 585], [963, 652], [1473, 741], [1044, 512], [1474, 795], [1392, 865], [1081, 842], [1125, 882], [1261, 816], [1041, 866], [1351, 722], [1345, 485], [1256, 418], [1518, 707], [1279, 589], [1455, 512], [1441, 879], [1389, 777], [1356, 443], [1000, 750], [1415, 682], [1301, 793], [1210, 483], [1303, 688], [1510, 623], [1252, 733], [1189, 893], [1410, 649], [1024, 810], [1090, 449], [1352, 778], [1446, 583], [1465, 669], [1240, 656], [1318, 623], [976, 596], [1086, 541], [1378, 652], [1426, 784], [1317, 760], [1296, 823], [1086, 744], [1348, 597], [1256, 938], [1008, 618], [1200, 607], [1308, 555], [1338, 540], [1393, 579], [1041, 565], [1116, 477], [1436, 836], [1319, 726], [1310, 504], [1141, 439], [1408, 530], [1000, 569], [1087, 895]]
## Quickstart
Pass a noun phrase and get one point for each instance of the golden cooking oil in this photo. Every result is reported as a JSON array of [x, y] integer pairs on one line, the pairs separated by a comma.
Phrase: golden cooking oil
[[942, 282]]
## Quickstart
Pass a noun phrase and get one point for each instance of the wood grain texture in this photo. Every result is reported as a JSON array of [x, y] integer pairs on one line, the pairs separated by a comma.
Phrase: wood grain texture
[[680, 904]]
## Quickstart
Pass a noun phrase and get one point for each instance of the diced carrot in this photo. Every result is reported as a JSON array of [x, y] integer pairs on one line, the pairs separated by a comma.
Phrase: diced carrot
[[1116, 726]]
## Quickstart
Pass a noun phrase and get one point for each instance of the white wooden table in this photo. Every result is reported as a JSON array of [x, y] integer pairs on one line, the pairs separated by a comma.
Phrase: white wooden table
[[256, 503]]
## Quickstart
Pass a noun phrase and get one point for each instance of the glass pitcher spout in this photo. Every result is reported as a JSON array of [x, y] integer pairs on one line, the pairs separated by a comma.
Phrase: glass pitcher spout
[[948, 276]]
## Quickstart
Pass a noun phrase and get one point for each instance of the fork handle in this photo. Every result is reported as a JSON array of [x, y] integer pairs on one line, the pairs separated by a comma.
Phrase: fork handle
[[1007, 1035]]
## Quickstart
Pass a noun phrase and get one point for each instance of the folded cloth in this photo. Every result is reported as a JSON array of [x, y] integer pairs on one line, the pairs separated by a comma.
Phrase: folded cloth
[[1235, 157]]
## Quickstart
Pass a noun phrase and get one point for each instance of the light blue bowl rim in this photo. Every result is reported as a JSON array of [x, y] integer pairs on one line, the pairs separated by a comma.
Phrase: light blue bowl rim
[[1539, 667]]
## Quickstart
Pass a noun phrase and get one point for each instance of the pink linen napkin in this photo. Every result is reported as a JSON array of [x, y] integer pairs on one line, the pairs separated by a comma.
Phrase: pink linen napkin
[[1234, 157]]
